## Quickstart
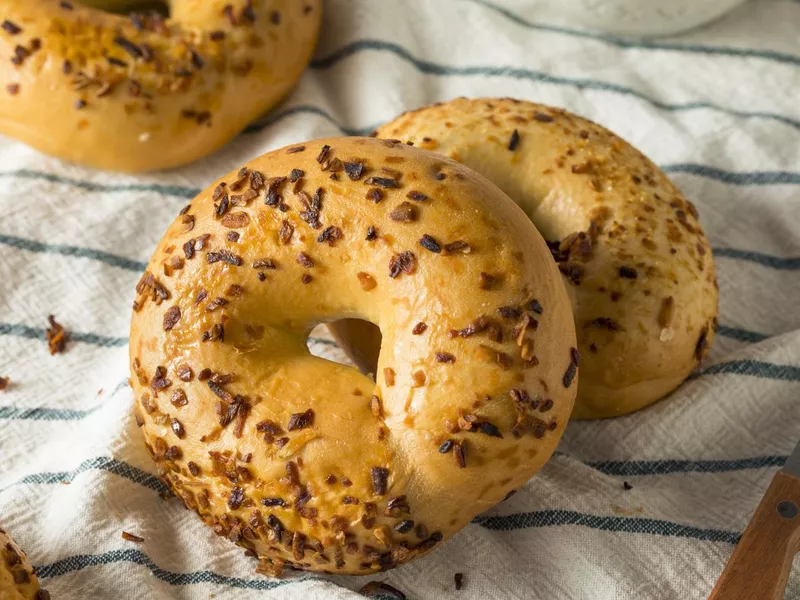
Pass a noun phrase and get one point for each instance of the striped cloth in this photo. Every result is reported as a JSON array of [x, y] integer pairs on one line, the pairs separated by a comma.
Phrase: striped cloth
[[717, 108]]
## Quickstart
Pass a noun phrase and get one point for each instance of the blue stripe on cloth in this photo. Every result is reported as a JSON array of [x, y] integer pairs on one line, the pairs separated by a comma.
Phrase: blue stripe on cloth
[[38, 333], [323, 341], [735, 177], [91, 186], [43, 413], [635, 468], [639, 44], [751, 368], [766, 260], [307, 109], [73, 251], [743, 335], [131, 555], [101, 463], [121, 385], [431, 68], [560, 518]]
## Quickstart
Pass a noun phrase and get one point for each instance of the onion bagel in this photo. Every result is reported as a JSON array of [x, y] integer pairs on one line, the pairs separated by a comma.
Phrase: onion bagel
[[17, 578], [637, 264], [147, 92], [309, 463]]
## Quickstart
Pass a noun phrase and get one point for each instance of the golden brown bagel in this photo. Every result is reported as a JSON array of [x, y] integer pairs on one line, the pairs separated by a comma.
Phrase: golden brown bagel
[[307, 462], [637, 264], [144, 93], [17, 579]]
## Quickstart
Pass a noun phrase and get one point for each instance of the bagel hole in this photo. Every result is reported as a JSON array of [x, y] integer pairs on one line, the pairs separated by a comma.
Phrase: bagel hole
[[359, 343], [321, 344]]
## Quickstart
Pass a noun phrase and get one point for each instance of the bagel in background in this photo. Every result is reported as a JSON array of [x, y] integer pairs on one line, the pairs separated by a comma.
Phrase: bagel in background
[[637, 265], [308, 463], [145, 93], [17, 578]]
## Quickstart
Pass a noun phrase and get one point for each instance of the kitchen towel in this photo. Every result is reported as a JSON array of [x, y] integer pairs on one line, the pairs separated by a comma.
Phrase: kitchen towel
[[647, 506]]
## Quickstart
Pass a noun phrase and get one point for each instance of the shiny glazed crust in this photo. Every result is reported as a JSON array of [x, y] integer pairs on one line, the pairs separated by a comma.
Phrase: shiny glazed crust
[[309, 463], [637, 264], [144, 93], [17, 579]]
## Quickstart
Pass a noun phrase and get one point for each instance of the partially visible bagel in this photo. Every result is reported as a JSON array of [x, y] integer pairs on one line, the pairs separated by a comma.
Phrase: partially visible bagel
[[636, 262], [309, 463], [146, 93], [17, 578]]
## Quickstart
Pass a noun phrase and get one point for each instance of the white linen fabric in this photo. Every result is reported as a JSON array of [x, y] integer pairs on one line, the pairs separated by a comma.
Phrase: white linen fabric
[[716, 108]]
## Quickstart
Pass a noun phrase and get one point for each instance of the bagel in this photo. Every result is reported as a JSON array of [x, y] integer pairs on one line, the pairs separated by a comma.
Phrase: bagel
[[147, 92], [17, 578], [309, 463], [636, 262]]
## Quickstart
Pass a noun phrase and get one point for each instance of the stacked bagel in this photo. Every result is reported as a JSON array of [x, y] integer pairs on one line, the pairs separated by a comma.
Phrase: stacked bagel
[[470, 327]]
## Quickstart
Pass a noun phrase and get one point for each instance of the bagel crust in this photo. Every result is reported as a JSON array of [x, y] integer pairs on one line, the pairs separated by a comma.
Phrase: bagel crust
[[636, 262], [145, 92], [310, 463], [17, 578]]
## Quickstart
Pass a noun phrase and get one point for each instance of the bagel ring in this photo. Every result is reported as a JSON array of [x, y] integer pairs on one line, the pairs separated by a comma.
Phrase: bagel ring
[[309, 463], [637, 264], [147, 92], [18, 581]]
